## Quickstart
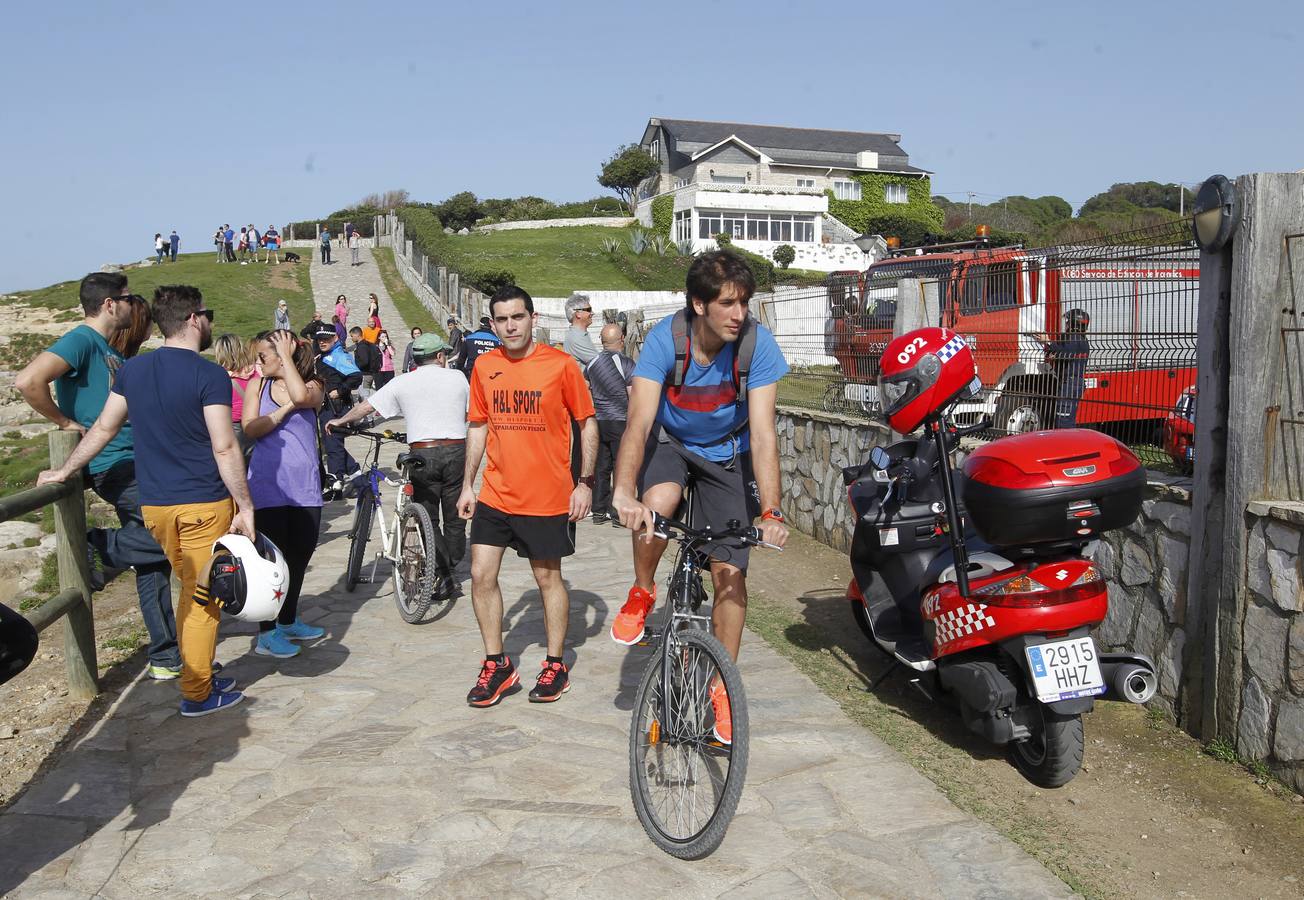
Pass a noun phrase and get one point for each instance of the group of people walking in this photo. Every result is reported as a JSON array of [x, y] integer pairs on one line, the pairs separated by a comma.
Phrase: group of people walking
[[188, 450]]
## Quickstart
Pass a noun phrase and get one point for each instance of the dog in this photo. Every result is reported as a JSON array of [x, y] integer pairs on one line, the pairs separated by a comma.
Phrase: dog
[[291, 256]]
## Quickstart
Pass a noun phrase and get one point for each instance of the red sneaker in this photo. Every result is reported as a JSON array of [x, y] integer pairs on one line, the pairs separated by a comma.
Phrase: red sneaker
[[723, 728], [627, 628], [495, 680], [553, 681]]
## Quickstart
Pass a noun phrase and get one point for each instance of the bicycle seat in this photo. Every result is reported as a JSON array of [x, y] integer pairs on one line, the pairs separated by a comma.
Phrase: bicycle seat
[[409, 460]]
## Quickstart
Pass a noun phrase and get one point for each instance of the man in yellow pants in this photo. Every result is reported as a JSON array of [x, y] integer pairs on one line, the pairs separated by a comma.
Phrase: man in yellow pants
[[189, 468]]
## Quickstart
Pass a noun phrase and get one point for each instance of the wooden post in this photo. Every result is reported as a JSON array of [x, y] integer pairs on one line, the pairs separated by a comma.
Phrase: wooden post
[[633, 333], [453, 300], [1272, 205], [74, 573]]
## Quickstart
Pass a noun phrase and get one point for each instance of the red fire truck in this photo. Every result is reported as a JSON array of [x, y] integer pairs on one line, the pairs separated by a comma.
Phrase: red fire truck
[[1007, 301]]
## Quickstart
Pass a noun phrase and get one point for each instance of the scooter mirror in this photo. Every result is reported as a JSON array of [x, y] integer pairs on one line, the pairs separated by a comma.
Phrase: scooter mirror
[[879, 458]]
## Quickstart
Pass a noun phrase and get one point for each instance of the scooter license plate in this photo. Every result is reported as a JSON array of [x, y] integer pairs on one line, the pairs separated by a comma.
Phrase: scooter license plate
[[1063, 670]]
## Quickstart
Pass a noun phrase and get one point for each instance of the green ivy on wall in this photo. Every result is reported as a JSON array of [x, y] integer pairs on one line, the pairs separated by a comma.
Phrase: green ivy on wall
[[873, 205], [663, 214]]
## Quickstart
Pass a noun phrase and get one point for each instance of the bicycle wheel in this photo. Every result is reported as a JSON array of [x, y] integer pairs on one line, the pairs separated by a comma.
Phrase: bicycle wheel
[[358, 535], [685, 783], [414, 570]]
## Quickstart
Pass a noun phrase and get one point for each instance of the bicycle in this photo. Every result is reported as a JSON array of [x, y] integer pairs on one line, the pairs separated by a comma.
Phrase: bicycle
[[409, 545], [674, 752]]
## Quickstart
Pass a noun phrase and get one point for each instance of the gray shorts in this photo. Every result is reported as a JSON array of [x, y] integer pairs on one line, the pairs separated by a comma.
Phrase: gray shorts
[[721, 491]]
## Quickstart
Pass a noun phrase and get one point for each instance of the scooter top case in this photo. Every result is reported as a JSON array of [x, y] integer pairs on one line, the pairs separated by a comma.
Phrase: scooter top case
[[1052, 486]]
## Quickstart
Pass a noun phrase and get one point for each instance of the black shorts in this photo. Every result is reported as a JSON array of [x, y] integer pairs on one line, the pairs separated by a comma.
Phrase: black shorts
[[532, 537], [721, 491]]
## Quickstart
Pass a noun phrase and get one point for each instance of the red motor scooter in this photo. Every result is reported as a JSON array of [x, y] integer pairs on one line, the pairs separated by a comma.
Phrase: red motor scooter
[[982, 578]]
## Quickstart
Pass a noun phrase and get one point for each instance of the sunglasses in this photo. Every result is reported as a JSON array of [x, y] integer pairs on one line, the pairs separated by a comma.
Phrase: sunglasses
[[585, 309], [206, 313]]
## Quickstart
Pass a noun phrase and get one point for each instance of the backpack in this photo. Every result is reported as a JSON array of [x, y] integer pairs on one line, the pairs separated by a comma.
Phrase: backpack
[[744, 350]]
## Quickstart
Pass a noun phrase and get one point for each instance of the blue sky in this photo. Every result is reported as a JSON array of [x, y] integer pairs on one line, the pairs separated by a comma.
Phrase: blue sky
[[125, 119]]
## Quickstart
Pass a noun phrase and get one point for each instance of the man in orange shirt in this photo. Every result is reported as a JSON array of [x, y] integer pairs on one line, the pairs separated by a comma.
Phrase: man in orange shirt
[[523, 398]]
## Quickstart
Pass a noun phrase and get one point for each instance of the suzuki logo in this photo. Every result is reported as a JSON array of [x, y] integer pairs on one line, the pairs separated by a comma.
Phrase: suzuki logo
[[1062, 574]]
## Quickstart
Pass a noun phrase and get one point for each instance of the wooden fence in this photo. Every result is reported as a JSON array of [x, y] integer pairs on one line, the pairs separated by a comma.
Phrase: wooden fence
[[73, 602]]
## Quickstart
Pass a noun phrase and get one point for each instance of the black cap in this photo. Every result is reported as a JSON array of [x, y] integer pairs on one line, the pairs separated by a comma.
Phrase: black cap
[[485, 322], [322, 334]]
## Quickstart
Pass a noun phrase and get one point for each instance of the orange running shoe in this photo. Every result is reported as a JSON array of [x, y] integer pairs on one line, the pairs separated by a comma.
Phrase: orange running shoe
[[627, 628], [723, 728]]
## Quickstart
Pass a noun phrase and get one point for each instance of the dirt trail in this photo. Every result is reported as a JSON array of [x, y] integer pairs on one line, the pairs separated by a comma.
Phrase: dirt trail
[[1150, 815]]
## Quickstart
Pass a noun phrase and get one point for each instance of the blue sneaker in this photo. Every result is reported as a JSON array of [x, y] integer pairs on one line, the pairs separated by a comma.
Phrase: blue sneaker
[[273, 643], [217, 700], [300, 631], [223, 685]]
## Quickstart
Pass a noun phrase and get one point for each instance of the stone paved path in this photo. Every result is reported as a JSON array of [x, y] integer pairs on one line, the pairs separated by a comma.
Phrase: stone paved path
[[356, 282], [357, 770]]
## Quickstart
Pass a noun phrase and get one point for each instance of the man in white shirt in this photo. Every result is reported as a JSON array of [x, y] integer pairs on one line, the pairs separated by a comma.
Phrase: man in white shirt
[[433, 400]]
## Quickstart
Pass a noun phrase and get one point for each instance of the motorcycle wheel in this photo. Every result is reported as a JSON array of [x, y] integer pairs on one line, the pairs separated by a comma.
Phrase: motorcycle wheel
[[1052, 754]]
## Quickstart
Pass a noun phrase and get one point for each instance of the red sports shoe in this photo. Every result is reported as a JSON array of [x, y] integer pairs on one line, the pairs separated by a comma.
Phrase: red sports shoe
[[627, 628], [495, 680], [723, 728]]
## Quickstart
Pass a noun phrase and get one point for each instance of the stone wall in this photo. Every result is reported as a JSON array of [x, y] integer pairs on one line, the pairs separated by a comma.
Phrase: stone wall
[[813, 448], [607, 221], [1271, 722], [1146, 566]]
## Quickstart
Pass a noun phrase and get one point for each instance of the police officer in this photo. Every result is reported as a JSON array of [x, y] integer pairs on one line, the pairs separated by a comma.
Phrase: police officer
[[482, 340], [1068, 357]]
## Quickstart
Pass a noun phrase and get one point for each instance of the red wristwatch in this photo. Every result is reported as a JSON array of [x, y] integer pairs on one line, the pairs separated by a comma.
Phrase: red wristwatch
[[774, 514]]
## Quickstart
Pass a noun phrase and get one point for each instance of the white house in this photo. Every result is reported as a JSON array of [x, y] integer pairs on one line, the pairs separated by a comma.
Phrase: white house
[[764, 185]]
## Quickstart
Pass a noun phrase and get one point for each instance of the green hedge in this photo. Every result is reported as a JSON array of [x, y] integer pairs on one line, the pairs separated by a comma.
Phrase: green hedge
[[422, 227], [663, 214], [366, 227]]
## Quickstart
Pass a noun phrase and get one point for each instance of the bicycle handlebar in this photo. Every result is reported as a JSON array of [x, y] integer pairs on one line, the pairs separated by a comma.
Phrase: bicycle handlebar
[[386, 435], [750, 535]]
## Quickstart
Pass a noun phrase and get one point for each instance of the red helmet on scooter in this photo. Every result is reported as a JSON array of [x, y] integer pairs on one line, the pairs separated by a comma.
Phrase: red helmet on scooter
[[921, 373]]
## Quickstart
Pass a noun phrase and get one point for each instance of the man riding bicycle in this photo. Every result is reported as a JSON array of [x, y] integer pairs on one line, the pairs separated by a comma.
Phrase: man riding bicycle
[[701, 406]]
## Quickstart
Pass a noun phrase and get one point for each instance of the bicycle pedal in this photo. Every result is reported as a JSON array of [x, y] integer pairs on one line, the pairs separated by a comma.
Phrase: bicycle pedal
[[650, 636]]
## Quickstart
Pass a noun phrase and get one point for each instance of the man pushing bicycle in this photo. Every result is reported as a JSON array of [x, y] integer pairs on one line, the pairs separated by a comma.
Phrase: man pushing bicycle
[[701, 407]]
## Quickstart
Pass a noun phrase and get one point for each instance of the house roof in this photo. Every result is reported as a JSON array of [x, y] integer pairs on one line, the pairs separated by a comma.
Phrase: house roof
[[776, 137]]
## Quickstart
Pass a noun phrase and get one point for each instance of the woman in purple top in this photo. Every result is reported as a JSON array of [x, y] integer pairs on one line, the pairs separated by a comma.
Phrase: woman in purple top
[[280, 414]]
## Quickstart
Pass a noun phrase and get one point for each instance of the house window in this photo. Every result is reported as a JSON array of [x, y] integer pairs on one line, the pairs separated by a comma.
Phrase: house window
[[681, 183], [805, 182], [728, 179], [683, 225], [758, 226], [896, 193], [656, 149], [846, 190]]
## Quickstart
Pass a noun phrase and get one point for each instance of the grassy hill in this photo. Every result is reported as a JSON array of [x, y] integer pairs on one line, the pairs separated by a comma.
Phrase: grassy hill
[[243, 298], [552, 262]]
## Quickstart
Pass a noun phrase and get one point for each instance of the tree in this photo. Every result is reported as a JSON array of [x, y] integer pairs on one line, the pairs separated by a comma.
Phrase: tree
[[1129, 196], [459, 211], [628, 167], [784, 254]]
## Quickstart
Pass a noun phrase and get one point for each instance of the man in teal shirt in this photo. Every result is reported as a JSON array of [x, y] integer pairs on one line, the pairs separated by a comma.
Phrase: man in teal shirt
[[81, 365]]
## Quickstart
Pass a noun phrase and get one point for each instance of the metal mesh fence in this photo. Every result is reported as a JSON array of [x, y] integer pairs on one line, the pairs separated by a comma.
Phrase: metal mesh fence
[[1099, 335]]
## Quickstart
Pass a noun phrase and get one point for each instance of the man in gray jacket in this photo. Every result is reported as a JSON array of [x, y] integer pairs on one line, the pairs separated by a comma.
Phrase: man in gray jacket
[[579, 312]]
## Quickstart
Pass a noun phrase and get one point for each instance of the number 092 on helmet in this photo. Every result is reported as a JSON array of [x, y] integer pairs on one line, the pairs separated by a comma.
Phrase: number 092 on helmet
[[923, 372], [246, 579]]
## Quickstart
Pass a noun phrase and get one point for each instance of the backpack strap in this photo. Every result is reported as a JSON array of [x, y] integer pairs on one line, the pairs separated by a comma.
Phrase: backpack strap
[[744, 350], [679, 333]]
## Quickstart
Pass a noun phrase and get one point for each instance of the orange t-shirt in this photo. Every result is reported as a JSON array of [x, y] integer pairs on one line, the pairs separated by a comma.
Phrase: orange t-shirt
[[528, 404]]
